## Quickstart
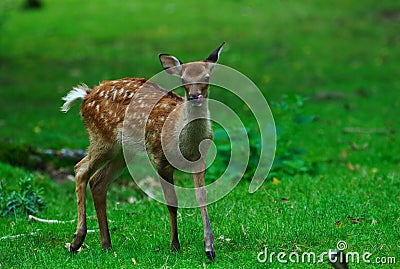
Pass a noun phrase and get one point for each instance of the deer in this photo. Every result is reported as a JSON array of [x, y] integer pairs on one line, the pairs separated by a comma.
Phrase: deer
[[103, 111]]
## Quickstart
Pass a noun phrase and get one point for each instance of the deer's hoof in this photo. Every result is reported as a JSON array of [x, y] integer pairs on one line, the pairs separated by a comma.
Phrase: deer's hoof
[[175, 247], [210, 255], [76, 243], [107, 248], [74, 248]]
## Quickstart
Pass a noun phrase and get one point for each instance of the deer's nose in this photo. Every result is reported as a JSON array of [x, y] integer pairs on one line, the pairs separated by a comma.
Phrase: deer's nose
[[198, 97]]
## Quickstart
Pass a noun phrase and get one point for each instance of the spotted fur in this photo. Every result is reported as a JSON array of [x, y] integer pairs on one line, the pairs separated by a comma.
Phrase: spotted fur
[[151, 115]]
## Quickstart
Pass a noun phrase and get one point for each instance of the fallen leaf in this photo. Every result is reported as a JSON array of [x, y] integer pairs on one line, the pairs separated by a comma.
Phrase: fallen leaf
[[354, 146], [350, 166], [222, 238], [374, 222], [134, 261], [284, 200], [275, 181], [339, 224], [345, 154], [354, 220]]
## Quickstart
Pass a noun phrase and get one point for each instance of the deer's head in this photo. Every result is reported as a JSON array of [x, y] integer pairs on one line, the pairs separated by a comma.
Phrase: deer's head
[[195, 76]]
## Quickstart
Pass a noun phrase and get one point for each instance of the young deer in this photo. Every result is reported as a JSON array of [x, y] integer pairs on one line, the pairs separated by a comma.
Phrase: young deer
[[103, 111]]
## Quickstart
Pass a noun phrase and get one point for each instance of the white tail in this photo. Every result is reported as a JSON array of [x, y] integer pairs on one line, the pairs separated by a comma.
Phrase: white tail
[[78, 92], [104, 110]]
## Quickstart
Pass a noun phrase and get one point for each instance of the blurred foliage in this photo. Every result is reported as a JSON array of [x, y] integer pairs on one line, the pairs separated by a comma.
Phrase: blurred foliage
[[26, 199], [20, 155], [33, 158], [290, 159]]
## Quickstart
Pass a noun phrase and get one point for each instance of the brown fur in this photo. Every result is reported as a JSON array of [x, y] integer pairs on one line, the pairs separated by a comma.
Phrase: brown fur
[[103, 109], [135, 104]]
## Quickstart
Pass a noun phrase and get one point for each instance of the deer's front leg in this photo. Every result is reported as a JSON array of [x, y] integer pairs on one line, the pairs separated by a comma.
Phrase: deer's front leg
[[198, 179]]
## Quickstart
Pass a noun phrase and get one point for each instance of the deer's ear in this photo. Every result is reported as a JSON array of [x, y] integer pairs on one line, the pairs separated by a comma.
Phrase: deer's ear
[[171, 64], [214, 56]]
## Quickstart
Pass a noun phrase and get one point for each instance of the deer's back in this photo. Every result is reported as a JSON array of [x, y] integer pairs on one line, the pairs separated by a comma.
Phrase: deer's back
[[145, 103]]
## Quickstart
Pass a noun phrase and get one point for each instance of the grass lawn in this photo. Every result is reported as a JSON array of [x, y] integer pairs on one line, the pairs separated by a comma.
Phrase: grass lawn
[[342, 55]]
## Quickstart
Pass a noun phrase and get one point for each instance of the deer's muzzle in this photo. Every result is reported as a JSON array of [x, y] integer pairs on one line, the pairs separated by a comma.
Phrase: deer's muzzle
[[195, 99]]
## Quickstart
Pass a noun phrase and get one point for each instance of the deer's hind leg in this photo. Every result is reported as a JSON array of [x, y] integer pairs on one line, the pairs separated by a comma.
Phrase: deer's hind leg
[[83, 170], [99, 183], [82, 174]]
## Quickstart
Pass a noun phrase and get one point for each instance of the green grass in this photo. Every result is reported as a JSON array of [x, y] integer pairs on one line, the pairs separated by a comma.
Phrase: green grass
[[295, 215], [286, 47]]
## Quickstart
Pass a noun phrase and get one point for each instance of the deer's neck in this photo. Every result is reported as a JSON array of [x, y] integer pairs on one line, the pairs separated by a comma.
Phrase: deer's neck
[[197, 127], [195, 119]]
